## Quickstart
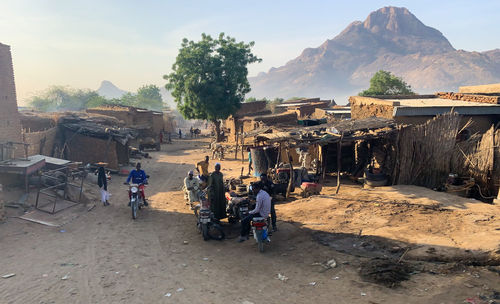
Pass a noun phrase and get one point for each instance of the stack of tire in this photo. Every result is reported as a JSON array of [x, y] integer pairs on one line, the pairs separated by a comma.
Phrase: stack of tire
[[375, 179]]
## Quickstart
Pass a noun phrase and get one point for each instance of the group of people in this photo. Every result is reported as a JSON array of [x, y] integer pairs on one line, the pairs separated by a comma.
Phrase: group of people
[[263, 189], [137, 176]]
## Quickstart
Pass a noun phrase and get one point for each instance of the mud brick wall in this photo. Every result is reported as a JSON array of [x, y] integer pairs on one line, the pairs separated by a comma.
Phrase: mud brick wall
[[469, 97], [41, 142], [126, 116], [158, 124], [250, 108], [365, 107], [88, 149], [10, 124]]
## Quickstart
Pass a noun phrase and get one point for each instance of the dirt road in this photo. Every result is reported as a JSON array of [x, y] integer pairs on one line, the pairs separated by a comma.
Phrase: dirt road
[[105, 257]]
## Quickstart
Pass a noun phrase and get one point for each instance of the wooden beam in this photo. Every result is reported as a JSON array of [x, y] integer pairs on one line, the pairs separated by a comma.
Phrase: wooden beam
[[290, 181], [339, 162]]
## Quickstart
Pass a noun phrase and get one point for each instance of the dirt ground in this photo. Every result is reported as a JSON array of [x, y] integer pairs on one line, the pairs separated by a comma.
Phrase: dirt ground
[[103, 256]]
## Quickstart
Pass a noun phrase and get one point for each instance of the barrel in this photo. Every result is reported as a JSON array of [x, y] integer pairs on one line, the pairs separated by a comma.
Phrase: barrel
[[259, 160]]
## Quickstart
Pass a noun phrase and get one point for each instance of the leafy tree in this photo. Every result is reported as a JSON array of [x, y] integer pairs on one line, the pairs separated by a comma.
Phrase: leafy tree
[[57, 98], [149, 97], [209, 78], [385, 83]]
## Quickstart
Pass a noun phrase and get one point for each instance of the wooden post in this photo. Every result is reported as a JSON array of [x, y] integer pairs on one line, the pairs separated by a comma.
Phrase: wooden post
[[339, 162], [290, 182], [242, 146], [236, 150], [324, 152]]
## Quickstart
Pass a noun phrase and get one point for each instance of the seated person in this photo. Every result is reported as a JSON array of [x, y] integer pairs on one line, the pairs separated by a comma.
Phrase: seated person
[[262, 209]]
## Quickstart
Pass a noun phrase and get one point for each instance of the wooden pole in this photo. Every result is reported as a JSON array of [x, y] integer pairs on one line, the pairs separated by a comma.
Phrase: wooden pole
[[290, 182], [236, 150], [339, 162], [324, 152]]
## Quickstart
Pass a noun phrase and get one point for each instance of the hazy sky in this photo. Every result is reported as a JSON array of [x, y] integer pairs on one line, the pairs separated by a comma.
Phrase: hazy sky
[[132, 43]]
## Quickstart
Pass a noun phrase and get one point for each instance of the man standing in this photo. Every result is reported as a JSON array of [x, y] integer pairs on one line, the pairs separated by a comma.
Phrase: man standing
[[249, 161], [102, 182], [191, 186], [216, 195], [262, 209], [139, 177], [202, 168]]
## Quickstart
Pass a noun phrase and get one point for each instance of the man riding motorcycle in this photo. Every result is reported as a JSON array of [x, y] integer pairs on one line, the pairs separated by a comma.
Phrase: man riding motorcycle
[[139, 177]]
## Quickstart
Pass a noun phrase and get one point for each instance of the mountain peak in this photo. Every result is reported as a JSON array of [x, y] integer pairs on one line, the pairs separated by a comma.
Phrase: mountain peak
[[109, 90], [393, 19]]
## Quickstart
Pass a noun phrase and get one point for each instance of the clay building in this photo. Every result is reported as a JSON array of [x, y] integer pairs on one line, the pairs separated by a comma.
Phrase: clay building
[[247, 110], [39, 131], [10, 124], [482, 110], [304, 108]]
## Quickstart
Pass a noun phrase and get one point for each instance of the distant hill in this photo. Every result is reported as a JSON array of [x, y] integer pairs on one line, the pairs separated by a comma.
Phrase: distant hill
[[109, 90], [391, 39]]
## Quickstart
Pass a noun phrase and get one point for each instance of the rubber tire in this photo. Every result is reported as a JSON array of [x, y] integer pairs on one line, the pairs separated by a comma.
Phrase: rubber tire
[[261, 246], [204, 232], [134, 208], [376, 183], [374, 177], [221, 235]]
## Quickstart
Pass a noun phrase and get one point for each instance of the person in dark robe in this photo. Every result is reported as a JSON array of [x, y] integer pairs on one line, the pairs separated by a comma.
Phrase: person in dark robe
[[216, 193], [102, 182]]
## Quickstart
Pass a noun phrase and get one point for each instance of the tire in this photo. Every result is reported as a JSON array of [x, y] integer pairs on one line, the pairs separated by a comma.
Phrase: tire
[[215, 232], [375, 177], [204, 232], [158, 147], [261, 246], [376, 183], [134, 208]]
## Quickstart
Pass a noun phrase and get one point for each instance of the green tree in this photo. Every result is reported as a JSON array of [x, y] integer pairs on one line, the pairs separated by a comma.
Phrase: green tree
[[149, 97], [385, 83], [60, 98], [209, 78]]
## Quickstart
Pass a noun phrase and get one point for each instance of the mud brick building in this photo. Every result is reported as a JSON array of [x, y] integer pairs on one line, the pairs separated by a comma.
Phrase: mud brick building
[[483, 110], [10, 125]]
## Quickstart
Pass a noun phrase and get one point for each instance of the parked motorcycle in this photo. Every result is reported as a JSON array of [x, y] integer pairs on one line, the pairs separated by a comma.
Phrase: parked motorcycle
[[136, 199], [237, 208], [205, 221], [260, 232]]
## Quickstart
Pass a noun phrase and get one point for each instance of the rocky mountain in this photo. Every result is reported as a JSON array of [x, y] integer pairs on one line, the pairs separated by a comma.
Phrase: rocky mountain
[[109, 90], [391, 39]]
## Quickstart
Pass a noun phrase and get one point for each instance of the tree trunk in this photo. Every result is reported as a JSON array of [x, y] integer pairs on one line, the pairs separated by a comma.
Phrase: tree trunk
[[217, 130]]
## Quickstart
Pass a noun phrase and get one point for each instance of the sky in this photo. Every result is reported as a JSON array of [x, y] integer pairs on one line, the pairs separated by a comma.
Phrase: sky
[[133, 43]]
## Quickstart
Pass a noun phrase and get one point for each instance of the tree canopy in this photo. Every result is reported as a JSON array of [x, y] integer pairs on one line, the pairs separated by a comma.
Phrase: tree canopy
[[385, 83], [209, 78], [61, 98]]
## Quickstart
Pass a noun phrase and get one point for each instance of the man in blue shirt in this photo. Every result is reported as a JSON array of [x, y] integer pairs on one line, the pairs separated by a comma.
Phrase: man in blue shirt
[[139, 177]]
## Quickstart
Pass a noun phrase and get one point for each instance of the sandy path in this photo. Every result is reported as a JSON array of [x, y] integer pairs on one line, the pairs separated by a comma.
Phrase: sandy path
[[109, 258]]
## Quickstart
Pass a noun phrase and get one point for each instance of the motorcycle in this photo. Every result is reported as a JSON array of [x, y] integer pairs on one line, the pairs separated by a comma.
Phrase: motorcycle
[[237, 208], [136, 199], [205, 221], [260, 232]]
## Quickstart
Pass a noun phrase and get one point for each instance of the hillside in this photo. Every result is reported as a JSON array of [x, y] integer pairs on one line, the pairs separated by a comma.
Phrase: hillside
[[390, 38]]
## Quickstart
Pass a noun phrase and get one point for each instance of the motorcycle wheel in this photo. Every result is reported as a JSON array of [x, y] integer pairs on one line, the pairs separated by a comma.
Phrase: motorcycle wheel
[[261, 246], [215, 232], [134, 210], [204, 232]]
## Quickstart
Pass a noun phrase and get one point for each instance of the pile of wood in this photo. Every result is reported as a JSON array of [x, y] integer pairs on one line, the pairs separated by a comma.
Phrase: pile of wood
[[469, 97], [423, 152]]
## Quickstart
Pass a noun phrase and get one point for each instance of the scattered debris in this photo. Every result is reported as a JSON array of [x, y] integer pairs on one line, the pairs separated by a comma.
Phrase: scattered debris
[[326, 265], [312, 283], [185, 242], [65, 277], [136, 266], [205, 259], [336, 278], [282, 277], [385, 271], [10, 275], [363, 294], [180, 289], [168, 294], [62, 230]]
